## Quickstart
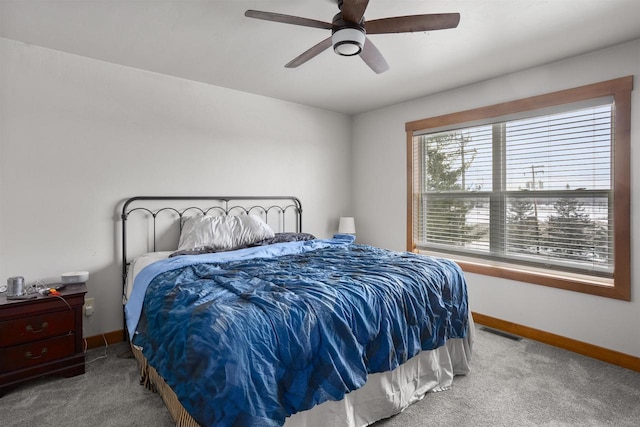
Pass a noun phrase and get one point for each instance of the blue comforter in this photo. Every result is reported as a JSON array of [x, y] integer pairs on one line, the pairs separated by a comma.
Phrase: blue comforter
[[251, 341]]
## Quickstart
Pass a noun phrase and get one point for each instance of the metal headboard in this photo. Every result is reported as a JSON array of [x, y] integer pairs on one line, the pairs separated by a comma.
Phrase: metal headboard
[[283, 207]]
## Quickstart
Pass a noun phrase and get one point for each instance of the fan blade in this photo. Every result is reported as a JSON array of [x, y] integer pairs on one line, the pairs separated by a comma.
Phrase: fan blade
[[373, 58], [353, 10], [412, 23], [311, 53], [287, 19]]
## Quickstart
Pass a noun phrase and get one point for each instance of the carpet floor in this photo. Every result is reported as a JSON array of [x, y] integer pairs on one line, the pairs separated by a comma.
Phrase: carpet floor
[[512, 383]]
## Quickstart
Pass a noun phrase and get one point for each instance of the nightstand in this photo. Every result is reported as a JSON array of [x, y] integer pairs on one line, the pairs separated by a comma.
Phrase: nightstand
[[41, 336]]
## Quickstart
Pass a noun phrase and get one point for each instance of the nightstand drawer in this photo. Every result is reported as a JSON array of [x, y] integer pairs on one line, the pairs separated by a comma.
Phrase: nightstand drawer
[[32, 328], [25, 355]]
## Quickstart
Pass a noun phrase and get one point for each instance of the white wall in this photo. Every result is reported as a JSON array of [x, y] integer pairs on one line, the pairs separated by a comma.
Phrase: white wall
[[379, 176], [78, 136]]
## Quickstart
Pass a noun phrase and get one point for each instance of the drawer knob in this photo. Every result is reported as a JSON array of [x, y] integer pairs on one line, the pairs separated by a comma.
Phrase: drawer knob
[[29, 355], [44, 325]]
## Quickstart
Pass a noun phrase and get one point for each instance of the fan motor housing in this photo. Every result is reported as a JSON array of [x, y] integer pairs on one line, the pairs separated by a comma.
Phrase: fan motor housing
[[348, 38]]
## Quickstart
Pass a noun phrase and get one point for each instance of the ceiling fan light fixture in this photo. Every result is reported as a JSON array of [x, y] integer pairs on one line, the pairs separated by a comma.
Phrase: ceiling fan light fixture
[[348, 41], [348, 33]]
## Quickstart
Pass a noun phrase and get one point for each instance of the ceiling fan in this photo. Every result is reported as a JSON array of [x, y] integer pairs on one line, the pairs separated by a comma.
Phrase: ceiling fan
[[349, 31]]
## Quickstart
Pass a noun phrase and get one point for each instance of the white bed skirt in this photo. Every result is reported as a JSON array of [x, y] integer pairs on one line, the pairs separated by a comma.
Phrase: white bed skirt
[[388, 393]]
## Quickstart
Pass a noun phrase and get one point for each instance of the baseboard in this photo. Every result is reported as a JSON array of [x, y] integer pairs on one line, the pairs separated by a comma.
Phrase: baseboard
[[98, 340], [590, 350]]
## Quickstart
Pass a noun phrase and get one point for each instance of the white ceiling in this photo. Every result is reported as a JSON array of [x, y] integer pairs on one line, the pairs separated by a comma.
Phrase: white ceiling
[[212, 42]]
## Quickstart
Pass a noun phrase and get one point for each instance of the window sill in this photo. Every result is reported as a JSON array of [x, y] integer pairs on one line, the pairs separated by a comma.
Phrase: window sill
[[603, 287]]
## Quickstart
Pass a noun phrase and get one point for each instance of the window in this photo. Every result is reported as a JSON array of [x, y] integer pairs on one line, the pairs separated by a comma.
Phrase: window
[[535, 190]]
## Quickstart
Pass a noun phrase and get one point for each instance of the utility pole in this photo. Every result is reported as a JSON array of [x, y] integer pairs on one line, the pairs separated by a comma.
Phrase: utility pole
[[535, 202], [463, 166]]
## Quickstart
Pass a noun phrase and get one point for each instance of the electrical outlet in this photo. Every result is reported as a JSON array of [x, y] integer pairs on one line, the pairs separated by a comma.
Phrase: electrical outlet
[[88, 306]]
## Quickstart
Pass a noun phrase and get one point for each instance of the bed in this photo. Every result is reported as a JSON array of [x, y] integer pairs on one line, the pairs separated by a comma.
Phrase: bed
[[237, 317]]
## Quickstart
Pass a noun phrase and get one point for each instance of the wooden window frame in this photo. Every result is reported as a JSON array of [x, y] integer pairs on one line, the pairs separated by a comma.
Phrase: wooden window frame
[[620, 89]]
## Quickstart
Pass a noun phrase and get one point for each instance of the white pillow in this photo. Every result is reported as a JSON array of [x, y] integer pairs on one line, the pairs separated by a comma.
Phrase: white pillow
[[222, 232]]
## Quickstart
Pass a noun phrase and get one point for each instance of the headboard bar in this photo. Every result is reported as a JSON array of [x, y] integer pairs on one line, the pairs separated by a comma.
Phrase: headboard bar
[[282, 208]]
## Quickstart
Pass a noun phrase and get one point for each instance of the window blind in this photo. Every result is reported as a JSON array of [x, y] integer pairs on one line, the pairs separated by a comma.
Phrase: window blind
[[534, 190]]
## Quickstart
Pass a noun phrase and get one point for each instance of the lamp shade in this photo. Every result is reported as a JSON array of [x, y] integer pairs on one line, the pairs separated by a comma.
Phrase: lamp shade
[[347, 225]]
